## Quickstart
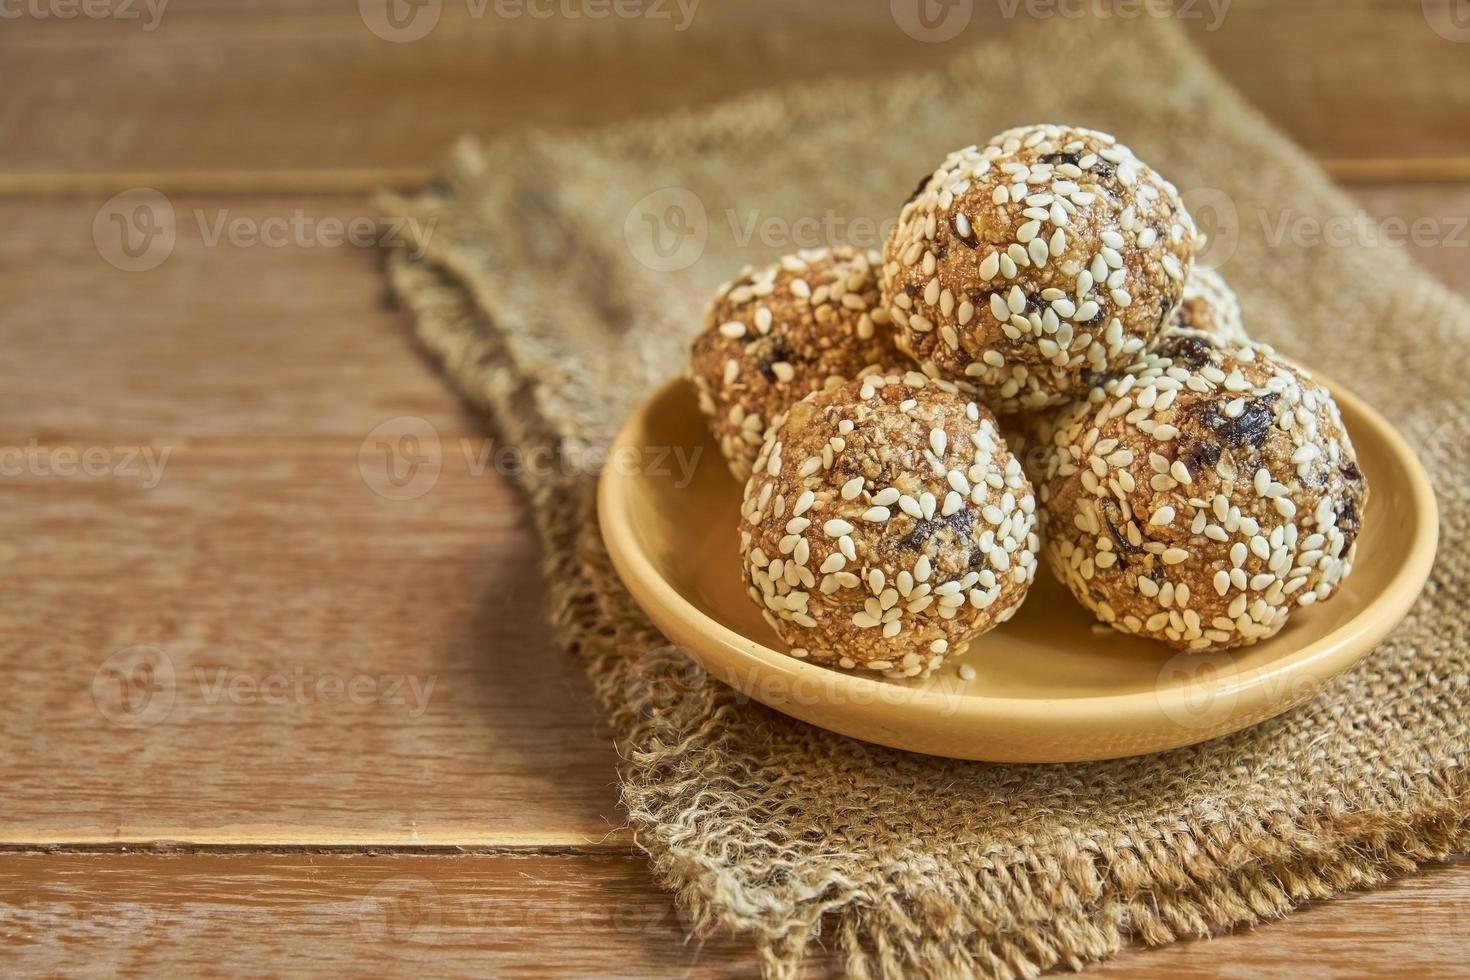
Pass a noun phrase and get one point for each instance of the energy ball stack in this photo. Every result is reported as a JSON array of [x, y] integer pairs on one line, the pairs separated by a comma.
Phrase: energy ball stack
[[886, 525], [1202, 495], [1210, 306], [1195, 488], [1026, 267], [779, 332]]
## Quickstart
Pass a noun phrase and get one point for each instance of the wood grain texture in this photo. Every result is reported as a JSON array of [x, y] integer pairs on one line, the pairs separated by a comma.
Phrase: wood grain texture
[[193, 461], [228, 336], [227, 86], [270, 554], [262, 649], [568, 915]]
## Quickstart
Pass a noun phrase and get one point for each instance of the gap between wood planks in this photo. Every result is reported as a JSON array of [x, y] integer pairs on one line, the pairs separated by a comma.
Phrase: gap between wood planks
[[1372, 170], [620, 845]]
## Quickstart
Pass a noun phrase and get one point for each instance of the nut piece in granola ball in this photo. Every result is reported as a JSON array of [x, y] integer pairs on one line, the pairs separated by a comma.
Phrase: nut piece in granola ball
[[1210, 306], [1027, 265], [780, 332], [1202, 495], [886, 525]]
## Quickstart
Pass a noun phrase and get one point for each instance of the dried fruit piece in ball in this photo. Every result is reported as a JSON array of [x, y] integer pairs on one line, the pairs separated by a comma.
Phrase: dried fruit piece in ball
[[1210, 306], [782, 331], [886, 525], [1203, 494], [1026, 266]]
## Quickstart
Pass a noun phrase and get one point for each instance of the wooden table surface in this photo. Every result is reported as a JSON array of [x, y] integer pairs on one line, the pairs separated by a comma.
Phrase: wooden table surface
[[263, 718]]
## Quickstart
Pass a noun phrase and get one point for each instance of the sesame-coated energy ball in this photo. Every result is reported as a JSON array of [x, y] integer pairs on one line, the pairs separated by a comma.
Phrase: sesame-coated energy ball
[[779, 332], [886, 525], [1024, 266], [1210, 306], [1202, 495]]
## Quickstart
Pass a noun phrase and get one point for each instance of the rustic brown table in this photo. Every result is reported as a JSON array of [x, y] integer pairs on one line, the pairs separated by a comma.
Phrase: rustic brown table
[[294, 797]]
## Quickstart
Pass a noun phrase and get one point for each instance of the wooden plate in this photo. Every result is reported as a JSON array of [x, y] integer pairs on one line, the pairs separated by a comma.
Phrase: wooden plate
[[1051, 685]]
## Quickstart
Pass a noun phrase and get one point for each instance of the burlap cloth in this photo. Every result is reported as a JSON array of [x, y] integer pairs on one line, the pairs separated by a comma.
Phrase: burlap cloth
[[543, 309]]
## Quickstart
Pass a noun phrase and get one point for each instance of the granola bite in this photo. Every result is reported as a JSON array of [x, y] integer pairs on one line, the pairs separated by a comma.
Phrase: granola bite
[[1027, 265], [887, 525], [1210, 306], [1202, 495], [779, 332]]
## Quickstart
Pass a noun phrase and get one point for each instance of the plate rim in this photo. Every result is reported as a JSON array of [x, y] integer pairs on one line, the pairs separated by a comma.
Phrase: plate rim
[[1325, 657]]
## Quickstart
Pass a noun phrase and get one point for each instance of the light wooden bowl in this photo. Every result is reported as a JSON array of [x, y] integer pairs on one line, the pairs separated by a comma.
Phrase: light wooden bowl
[[1051, 685]]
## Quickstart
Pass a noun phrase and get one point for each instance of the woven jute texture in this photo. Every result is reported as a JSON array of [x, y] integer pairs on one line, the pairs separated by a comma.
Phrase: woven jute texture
[[543, 300]]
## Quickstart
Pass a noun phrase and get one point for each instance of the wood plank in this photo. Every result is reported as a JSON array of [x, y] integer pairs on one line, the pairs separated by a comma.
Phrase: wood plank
[[1365, 78], [315, 89], [566, 915], [223, 338], [1431, 221], [241, 340], [228, 404], [261, 648], [262, 487]]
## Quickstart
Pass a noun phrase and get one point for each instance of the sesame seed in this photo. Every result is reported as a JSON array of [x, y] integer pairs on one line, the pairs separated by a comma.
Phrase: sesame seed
[[837, 527]]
